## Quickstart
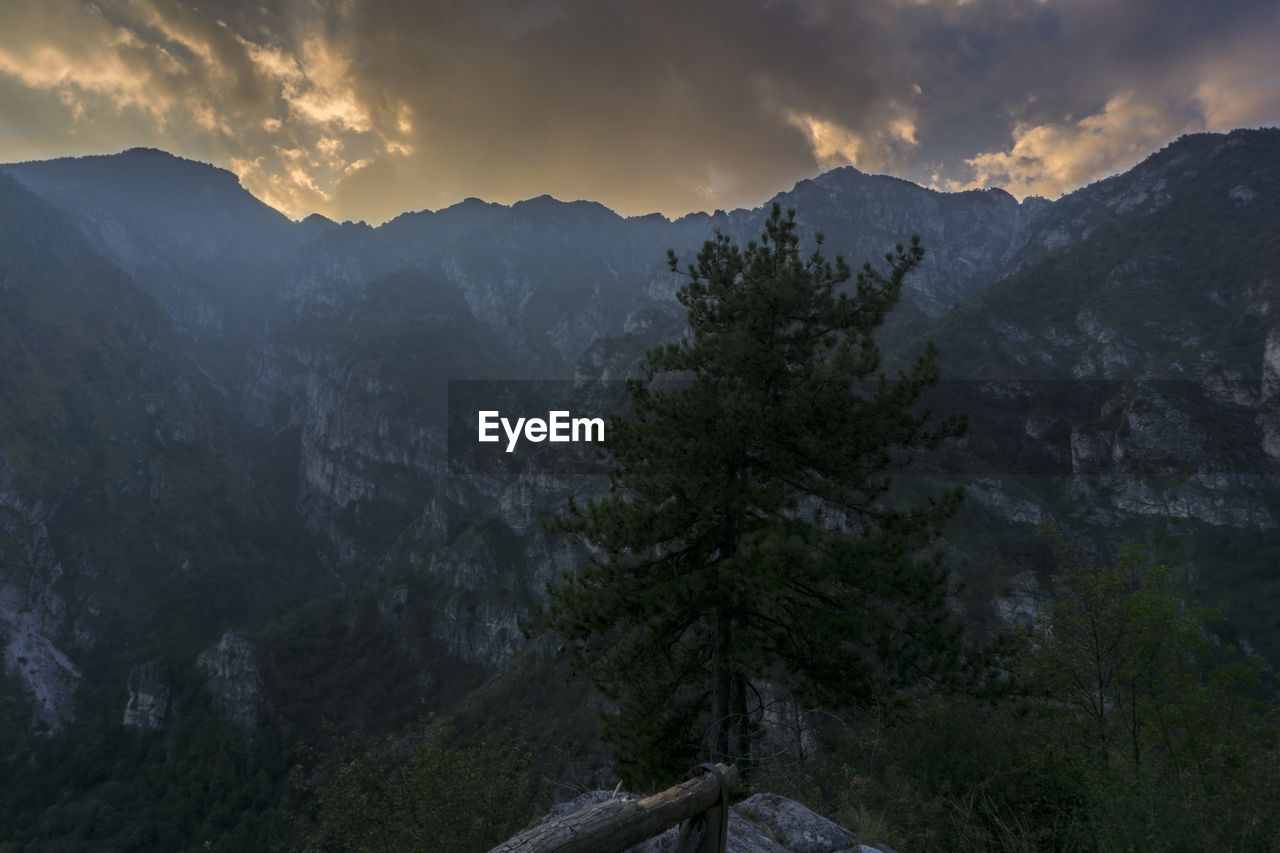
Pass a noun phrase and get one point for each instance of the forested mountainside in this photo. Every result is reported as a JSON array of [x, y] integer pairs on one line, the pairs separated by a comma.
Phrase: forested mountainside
[[226, 508]]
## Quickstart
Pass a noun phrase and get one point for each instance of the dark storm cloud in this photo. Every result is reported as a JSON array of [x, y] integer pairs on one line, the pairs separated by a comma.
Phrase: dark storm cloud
[[648, 106], [639, 101], [365, 108], [1073, 91]]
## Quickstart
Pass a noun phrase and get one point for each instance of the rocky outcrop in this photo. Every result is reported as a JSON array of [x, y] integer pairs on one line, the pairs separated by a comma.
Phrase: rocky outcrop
[[967, 236], [234, 680], [148, 701], [1271, 365], [1021, 606], [33, 616], [46, 672], [792, 826]]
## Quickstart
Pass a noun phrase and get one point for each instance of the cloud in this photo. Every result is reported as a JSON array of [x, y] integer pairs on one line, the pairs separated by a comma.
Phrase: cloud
[[95, 59], [365, 109], [281, 111], [1051, 159], [835, 145], [1241, 88], [315, 84], [1132, 79]]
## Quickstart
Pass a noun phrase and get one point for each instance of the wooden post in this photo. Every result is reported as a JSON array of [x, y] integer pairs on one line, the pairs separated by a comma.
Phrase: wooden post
[[709, 831], [613, 826]]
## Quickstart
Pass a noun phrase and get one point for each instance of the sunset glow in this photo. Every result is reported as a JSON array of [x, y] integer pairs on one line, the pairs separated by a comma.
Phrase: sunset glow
[[365, 108]]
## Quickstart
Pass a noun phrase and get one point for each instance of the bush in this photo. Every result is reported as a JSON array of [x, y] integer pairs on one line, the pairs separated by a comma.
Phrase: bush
[[426, 789]]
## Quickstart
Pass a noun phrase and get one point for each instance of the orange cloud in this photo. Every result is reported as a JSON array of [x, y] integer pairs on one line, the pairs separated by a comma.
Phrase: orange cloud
[[1050, 159], [834, 145], [365, 109], [96, 59]]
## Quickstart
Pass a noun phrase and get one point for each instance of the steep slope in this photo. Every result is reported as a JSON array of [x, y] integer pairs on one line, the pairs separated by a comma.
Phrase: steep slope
[[546, 281], [346, 334], [358, 383], [1138, 336], [128, 531], [1131, 326], [262, 305], [1165, 271], [209, 252], [971, 235]]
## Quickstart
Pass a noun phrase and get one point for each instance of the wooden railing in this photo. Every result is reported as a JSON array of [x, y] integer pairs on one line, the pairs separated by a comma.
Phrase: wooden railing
[[700, 805]]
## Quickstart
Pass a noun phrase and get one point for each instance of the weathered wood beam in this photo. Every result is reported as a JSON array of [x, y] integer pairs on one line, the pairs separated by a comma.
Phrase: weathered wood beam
[[613, 826]]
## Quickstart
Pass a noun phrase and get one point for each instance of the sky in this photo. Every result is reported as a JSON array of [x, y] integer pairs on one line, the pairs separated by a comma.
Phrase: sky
[[363, 109]]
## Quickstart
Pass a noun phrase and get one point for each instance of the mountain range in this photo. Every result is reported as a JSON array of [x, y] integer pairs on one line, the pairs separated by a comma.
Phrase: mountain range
[[225, 479]]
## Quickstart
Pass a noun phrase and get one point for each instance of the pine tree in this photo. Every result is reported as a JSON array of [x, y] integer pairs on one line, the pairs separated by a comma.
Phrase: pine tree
[[749, 546]]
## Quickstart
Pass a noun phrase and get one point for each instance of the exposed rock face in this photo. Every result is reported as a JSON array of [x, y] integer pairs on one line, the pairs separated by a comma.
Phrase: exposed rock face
[[44, 670], [234, 680], [148, 698], [967, 235], [33, 617], [479, 618], [991, 493], [762, 823], [1271, 365], [1242, 195], [542, 310], [794, 826], [1022, 605]]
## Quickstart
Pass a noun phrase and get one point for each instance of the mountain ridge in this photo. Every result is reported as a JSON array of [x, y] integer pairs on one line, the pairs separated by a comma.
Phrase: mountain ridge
[[234, 449]]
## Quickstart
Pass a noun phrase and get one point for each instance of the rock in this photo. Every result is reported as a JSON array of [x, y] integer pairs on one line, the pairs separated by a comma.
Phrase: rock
[[148, 698], [762, 823], [1271, 365], [1023, 603], [234, 680], [990, 492], [33, 617], [1242, 195], [1269, 426], [1056, 239], [795, 826], [44, 670]]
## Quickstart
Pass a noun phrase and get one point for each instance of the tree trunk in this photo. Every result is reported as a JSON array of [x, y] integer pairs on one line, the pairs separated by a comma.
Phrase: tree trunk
[[741, 725], [616, 825], [722, 678]]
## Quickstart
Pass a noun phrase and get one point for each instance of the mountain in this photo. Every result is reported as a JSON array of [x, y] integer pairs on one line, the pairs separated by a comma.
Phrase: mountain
[[1137, 334], [228, 496]]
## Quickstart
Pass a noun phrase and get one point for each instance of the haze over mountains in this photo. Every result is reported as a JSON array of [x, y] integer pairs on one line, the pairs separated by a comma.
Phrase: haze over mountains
[[214, 418]]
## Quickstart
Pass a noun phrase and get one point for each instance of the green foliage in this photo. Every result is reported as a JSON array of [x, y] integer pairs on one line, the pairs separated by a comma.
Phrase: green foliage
[[1159, 723], [97, 786], [1130, 730], [354, 658], [1122, 650], [750, 546], [200, 784], [428, 789]]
